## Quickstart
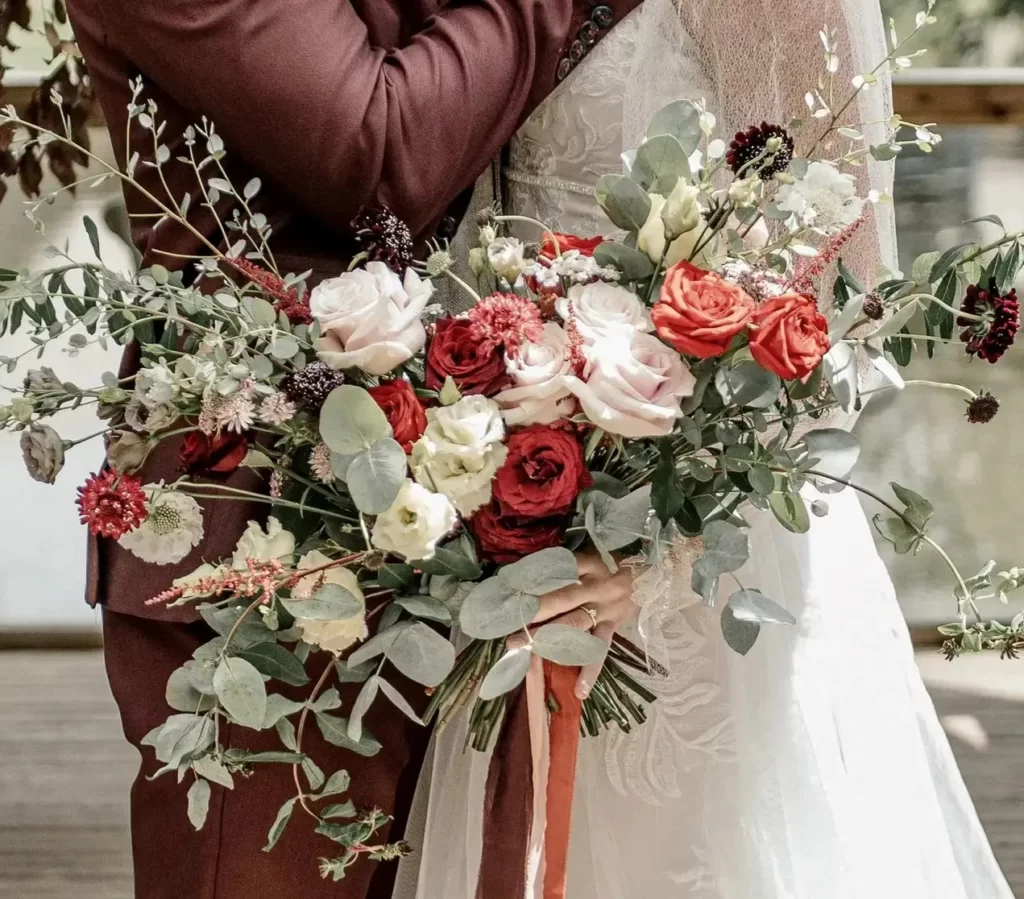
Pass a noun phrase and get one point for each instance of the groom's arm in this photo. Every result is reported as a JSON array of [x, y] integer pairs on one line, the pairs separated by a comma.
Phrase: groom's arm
[[299, 92]]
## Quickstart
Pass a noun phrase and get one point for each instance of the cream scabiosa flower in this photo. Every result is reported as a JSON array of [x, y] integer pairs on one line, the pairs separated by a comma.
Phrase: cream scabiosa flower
[[370, 319], [460, 451], [417, 519], [173, 527], [335, 635], [824, 198]]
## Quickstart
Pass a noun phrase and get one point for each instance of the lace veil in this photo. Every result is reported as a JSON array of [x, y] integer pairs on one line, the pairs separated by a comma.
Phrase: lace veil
[[758, 61]]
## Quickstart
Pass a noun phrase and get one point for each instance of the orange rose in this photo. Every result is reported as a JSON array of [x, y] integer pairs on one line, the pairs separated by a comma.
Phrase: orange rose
[[789, 336], [699, 312]]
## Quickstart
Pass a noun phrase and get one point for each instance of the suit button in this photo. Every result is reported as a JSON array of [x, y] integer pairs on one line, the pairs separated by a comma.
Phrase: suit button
[[564, 68], [589, 33], [448, 227], [577, 51], [602, 16]]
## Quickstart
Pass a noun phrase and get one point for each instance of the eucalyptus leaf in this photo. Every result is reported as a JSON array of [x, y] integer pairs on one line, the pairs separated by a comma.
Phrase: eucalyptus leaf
[[541, 572], [448, 561], [625, 202], [425, 607], [739, 635], [275, 661], [836, 451], [215, 771], [634, 265], [376, 475], [313, 773], [659, 163], [284, 815], [726, 548], [752, 605], [331, 602], [681, 119], [616, 523], [181, 737], [198, 803], [493, 610], [224, 620], [335, 731], [360, 707], [399, 701], [338, 782], [351, 420], [241, 691], [422, 654], [377, 645], [566, 645], [284, 347], [507, 673], [749, 385], [278, 707], [840, 366], [791, 511], [182, 696]]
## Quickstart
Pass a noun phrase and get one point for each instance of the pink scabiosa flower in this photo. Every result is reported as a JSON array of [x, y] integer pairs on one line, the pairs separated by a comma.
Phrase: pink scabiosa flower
[[506, 319], [995, 323], [112, 505]]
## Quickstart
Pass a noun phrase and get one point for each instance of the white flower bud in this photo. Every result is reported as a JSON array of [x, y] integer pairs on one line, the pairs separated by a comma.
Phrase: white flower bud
[[681, 213]]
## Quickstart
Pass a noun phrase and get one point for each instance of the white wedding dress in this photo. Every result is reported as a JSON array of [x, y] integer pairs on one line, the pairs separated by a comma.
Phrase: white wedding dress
[[812, 768]]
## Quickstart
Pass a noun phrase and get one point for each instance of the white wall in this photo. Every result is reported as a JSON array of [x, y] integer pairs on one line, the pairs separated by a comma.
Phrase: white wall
[[42, 544]]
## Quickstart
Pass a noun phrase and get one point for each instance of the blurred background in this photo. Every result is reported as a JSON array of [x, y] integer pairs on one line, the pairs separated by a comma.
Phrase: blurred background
[[65, 774]]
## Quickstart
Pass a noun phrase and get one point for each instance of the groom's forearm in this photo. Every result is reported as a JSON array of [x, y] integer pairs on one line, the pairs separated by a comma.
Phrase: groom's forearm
[[299, 92]]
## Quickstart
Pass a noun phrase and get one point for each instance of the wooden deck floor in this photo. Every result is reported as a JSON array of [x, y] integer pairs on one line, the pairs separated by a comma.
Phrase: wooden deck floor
[[65, 772]]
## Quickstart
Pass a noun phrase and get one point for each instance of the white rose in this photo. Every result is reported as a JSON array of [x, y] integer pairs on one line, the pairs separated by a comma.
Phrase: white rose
[[370, 319], [339, 634], [417, 519], [633, 386], [273, 543], [652, 239], [681, 213], [460, 451], [601, 309], [540, 394], [505, 254], [824, 197]]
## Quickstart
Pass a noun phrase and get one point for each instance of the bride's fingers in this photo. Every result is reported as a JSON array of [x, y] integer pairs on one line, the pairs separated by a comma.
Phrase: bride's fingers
[[561, 602], [589, 673], [578, 618]]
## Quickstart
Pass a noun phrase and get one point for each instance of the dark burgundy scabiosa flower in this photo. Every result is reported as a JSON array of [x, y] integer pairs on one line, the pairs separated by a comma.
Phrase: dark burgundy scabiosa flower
[[383, 237], [112, 504], [285, 299], [873, 307], [311, 385], [748, 145], [982, 409], [994, 334]]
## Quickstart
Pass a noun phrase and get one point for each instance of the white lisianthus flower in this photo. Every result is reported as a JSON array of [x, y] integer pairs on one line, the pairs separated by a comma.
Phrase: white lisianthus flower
[[824, 198], [370, 319], [505, 255], [652, 239], [173, 527], [460, 451], [273, 543], [156, 386], [539, 394], [601, 309], [339, 634], [633, 386], [417, 519]]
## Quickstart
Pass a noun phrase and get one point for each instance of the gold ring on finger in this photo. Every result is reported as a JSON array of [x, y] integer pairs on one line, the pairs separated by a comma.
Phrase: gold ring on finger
[[592, 614]]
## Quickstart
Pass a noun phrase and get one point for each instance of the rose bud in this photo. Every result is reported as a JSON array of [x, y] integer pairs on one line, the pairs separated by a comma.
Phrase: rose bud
[[43, 450]]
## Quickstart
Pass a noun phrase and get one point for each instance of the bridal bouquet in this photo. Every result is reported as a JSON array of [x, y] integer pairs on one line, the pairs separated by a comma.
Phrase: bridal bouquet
[[429, 477]]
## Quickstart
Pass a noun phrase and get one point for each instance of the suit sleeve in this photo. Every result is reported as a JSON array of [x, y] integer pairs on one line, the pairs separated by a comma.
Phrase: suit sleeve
[[298, 91]]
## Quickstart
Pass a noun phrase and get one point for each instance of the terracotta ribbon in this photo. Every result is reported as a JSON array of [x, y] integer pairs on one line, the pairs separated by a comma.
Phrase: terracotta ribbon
[[529, 792]]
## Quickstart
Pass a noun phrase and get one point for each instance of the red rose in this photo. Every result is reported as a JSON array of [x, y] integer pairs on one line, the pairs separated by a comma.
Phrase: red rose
[[403, 409], [505, 537], [221, 454], [455, 351], [585, 245], [789, 336], [543, 473], [699, 312]]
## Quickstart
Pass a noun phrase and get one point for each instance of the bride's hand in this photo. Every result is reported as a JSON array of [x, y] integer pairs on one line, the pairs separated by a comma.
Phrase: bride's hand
[[601, 603]]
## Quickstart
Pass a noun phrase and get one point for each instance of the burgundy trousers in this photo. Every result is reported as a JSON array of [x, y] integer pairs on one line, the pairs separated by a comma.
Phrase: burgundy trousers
[[225, 859]]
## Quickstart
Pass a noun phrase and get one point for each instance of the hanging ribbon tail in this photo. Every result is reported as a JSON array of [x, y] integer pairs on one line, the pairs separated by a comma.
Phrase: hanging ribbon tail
[[564, 745], [508, 806]]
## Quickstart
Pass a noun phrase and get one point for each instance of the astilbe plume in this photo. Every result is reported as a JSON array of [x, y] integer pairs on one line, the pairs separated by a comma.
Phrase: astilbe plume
[[286, 299]]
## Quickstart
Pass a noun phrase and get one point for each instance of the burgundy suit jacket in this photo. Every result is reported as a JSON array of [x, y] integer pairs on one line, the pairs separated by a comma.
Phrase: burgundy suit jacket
[[334, 104]]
